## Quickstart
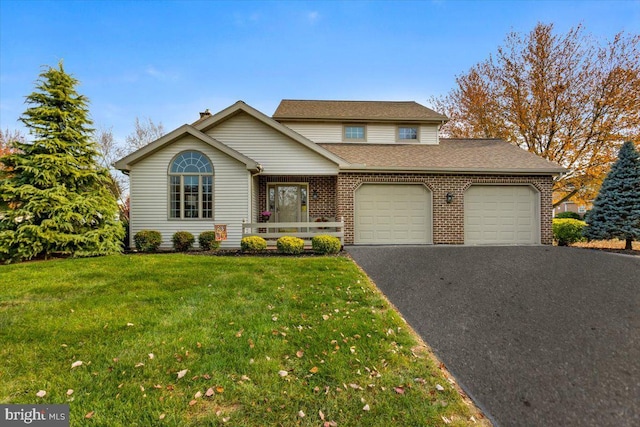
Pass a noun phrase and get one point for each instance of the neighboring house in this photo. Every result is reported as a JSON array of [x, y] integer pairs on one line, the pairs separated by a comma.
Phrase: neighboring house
[[572, 206], [379, 166]]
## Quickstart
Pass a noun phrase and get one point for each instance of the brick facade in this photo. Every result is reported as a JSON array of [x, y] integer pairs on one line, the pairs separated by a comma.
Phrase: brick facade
[[448, 219], [336, 198], [323, 186]]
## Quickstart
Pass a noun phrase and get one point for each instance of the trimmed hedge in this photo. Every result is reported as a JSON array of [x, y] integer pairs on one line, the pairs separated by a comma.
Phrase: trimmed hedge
[[324, 244], [569, 214], [207, 241], [290, 245], [567, 231], [182, 241], [147, 240], [253, 244]]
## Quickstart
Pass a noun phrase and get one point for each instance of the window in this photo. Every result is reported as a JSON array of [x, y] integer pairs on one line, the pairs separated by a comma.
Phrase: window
[[191, 186], [407, 133], [354, 132]]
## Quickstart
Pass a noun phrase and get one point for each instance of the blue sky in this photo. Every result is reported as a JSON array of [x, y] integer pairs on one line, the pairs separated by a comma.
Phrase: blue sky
[[168, 60]]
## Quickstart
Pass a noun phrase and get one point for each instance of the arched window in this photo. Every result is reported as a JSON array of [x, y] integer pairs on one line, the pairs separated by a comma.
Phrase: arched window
[[191, 186]]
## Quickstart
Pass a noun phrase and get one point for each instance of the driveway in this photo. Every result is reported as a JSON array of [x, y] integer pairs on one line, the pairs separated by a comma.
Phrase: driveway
[[537, 336]]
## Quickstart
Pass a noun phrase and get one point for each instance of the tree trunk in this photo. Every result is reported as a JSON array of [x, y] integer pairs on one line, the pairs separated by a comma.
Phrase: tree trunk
[[628, 244]]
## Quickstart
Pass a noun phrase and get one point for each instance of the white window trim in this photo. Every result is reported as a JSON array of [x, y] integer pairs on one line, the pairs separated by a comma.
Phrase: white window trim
[[181, 175]]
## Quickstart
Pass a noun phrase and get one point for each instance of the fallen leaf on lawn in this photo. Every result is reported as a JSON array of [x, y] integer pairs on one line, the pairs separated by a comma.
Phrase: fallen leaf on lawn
[[76, 364], [251, 343], [139, 365], [226, 419], [69, 392], [220, 390], [245, 378], [355, 386], [399, 390], [193, 402], [170, 387], [151, 355], [206, 376], [419, 380], [182, 373], [283, 373], [209, 392], [198, 345], [439, 387], [325, 317], [239, 333], [129, 324], [141, 388], [158, 386], [301, 414], [198, 395], [321, 415], [299, 353], [41, 393], [161, 417], [366, 407], [313, 370], [89, 414], [274, 318], [446, 420], [330, 424]]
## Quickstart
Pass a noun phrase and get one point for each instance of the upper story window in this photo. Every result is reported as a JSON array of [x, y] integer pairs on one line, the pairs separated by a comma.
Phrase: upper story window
[[407, 133], [354, 133], [190, 186]]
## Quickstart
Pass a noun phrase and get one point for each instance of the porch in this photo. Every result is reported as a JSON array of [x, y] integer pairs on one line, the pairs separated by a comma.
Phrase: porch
[[272, 231]]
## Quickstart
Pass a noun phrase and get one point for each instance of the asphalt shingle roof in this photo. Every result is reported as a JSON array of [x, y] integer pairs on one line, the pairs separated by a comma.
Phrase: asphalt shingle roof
[[450, 154], [408, 111]]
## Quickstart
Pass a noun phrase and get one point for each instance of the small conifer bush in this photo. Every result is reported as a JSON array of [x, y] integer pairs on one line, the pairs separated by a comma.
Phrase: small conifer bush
[[324, 244], [182, 241], [207, 241], [290, 245], [253, 244], [147, 240], [567, 231]]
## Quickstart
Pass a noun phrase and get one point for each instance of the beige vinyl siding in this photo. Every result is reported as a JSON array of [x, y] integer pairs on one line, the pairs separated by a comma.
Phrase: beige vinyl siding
[[277, 153], [428, 134], [149, 194], [318, 132], [377, 133]]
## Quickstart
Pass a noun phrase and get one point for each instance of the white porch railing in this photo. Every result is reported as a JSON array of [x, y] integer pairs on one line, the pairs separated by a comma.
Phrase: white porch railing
[[272, 231]]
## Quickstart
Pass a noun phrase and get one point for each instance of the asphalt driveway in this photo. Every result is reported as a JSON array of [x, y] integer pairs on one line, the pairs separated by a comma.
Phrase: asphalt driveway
[[537, 336]]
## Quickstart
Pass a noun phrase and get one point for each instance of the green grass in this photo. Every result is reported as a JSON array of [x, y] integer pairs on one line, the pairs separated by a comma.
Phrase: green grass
[[233, 323]]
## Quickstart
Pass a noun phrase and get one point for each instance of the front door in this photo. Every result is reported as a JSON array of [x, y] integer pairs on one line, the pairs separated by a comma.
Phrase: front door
[[288, 202]]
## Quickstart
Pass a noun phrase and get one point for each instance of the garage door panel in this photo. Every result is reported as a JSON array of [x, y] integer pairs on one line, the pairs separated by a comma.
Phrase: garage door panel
[[392, 214], [501, 214]]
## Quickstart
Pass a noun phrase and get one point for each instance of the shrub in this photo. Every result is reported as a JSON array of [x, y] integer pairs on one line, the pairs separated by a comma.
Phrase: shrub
[[290, 245], [567, 231], [207, 241], [571, 215], [324, 244], [253, 244], [182, 241], [147, 240]]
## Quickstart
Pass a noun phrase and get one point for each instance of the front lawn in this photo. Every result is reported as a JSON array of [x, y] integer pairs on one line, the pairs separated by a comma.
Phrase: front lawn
[[197, 340]]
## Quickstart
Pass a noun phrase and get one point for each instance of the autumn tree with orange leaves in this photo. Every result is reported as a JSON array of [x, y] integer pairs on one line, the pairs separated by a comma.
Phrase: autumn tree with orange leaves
[[565, 97]]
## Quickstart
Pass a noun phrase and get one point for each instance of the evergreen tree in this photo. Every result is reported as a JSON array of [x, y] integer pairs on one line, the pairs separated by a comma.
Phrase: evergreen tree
[[58, 196], [616, 209]]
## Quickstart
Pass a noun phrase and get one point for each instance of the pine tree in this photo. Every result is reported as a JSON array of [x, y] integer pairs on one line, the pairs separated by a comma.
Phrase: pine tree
[[616, 209], [58, 196]]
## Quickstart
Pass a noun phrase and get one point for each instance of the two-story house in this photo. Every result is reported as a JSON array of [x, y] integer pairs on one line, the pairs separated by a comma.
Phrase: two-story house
[[381, 167]]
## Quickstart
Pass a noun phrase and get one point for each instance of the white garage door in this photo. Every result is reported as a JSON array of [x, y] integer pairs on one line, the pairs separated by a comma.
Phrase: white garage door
[[500, 214], [393, 214]]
